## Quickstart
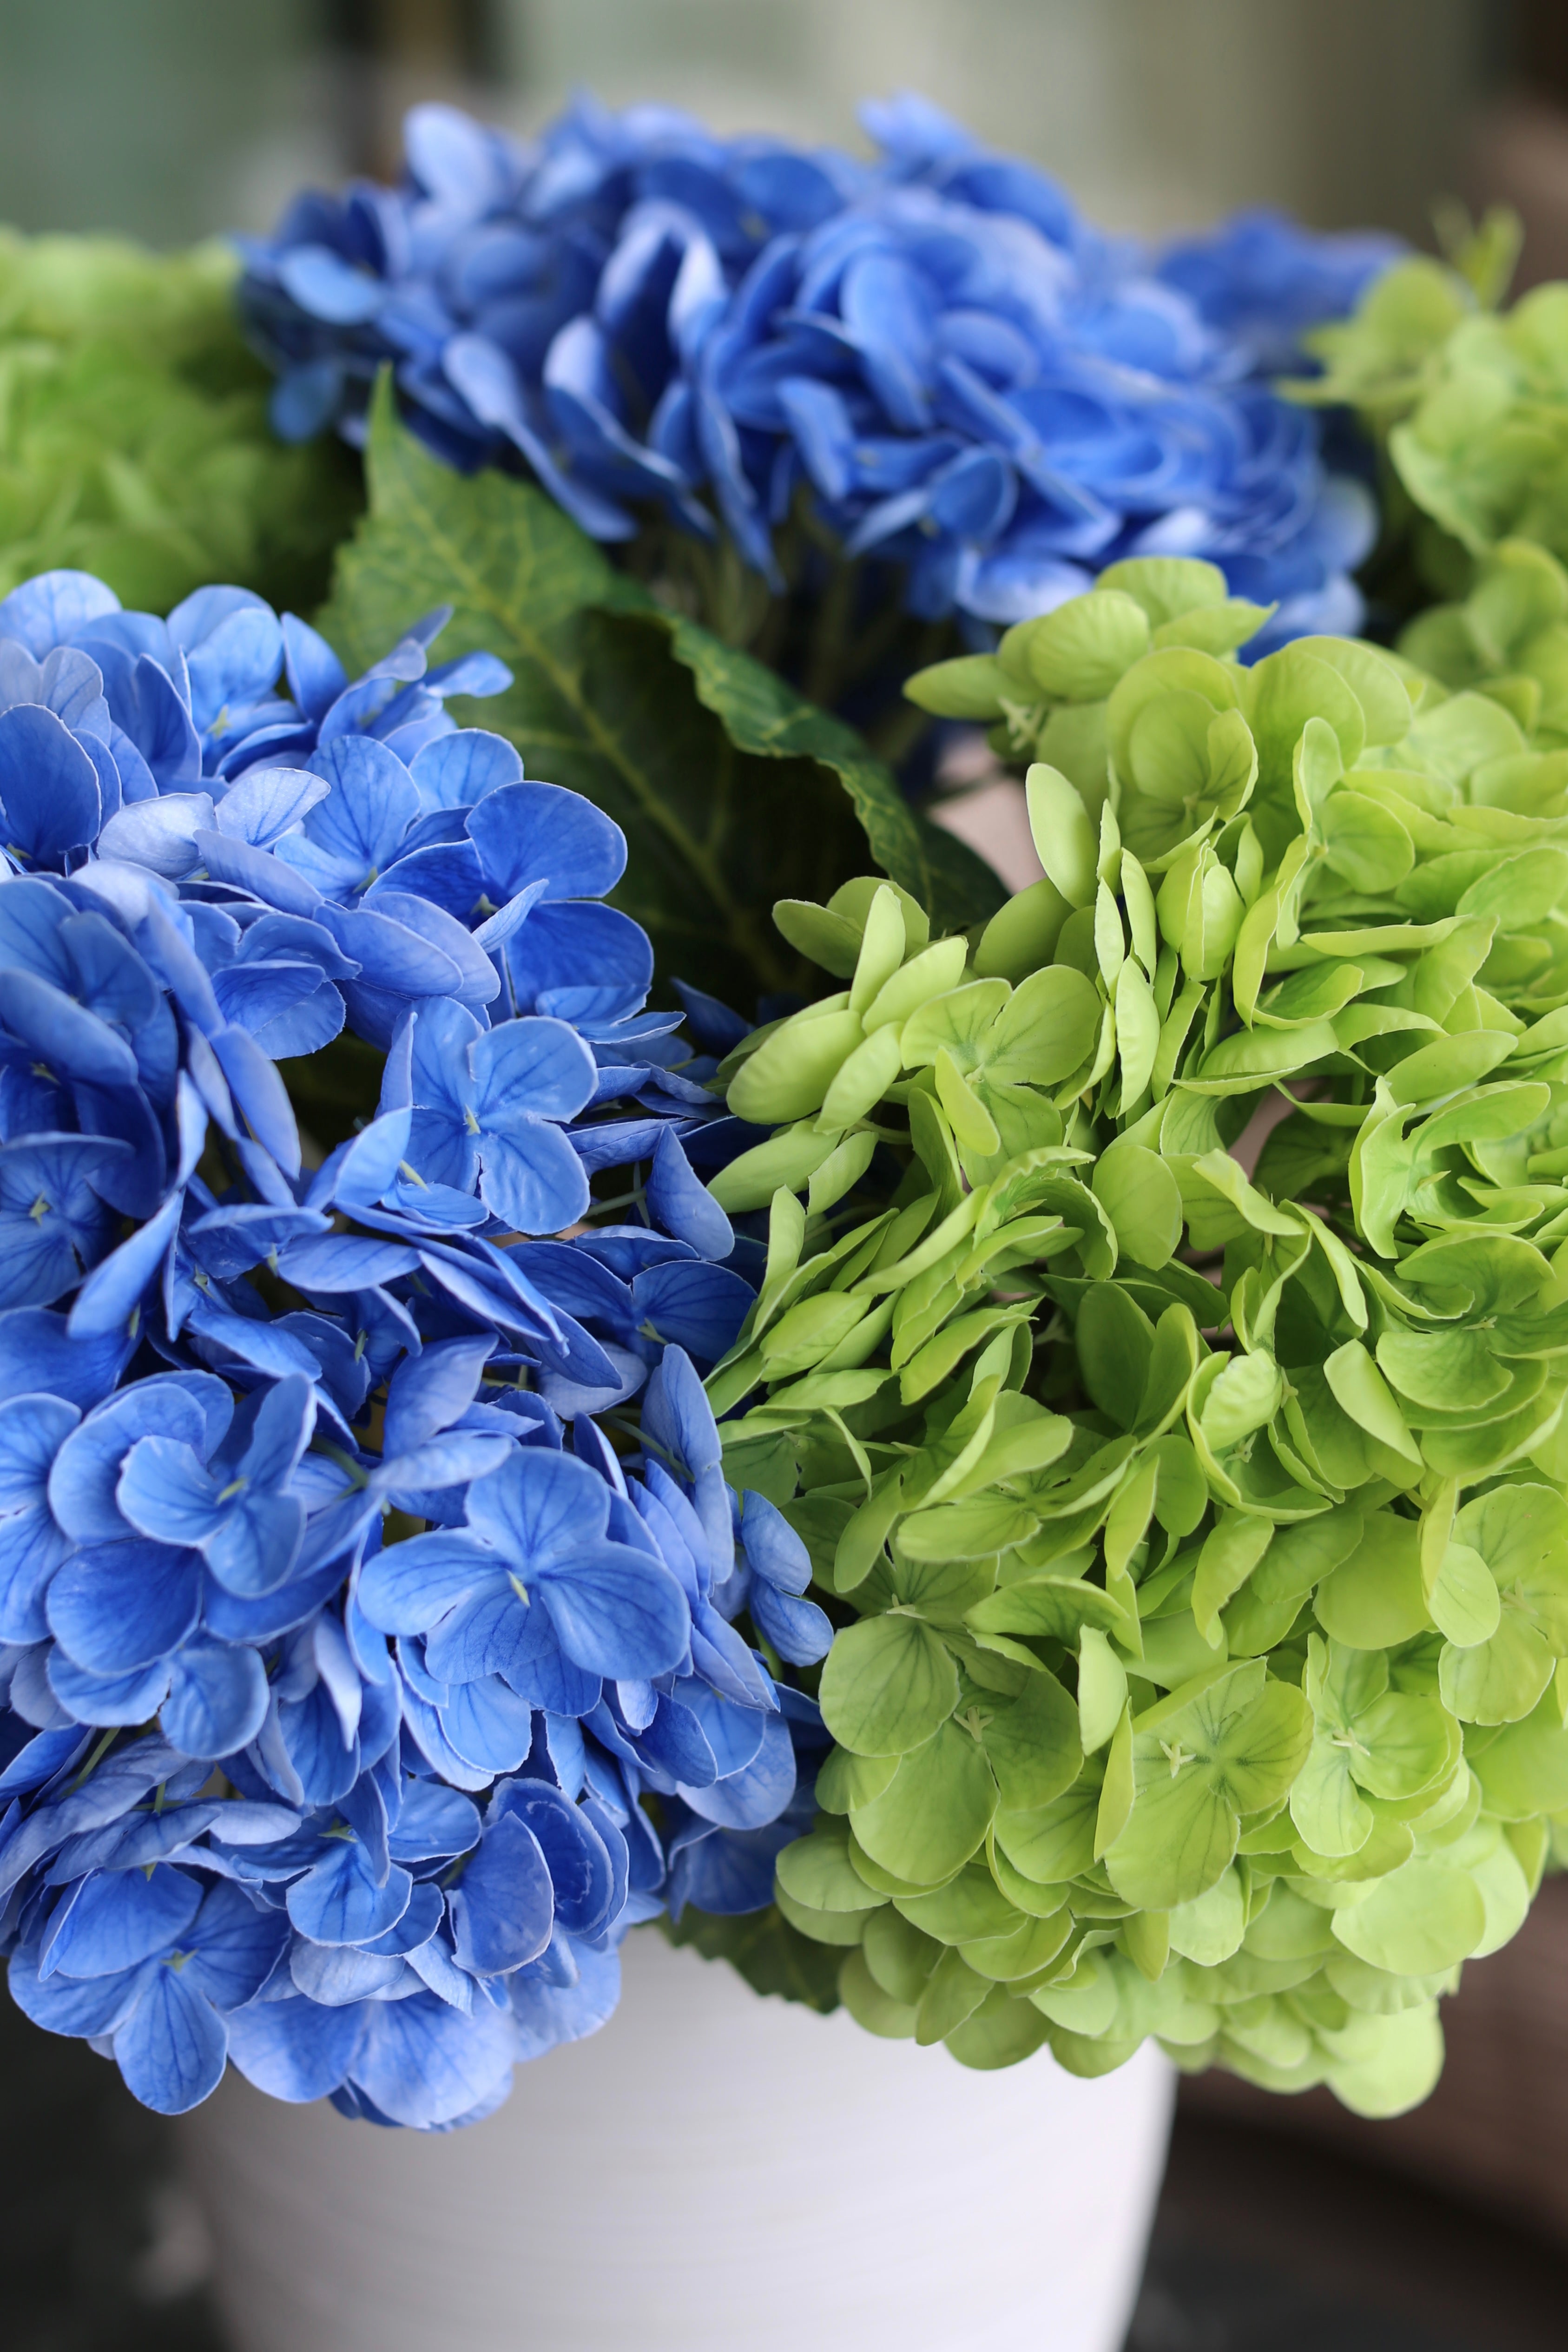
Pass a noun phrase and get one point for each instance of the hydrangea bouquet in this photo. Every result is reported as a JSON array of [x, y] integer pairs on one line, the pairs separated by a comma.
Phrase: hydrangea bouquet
[[432, 1378], [367, 1816], [805, 389]]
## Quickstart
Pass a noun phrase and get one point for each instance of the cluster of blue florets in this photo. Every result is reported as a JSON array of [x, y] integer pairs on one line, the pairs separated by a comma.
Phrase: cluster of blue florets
[[956, 373], [340, 1646]]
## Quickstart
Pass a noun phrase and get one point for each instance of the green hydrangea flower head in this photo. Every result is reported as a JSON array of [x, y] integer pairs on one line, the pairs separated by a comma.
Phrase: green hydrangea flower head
[[134, 441], [1197, 1540]]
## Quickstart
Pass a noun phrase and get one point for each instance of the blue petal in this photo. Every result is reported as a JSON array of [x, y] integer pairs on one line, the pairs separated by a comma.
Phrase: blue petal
[[691, 1305], [425, 2064], [48, 785], [528, 833], [217, 1702], [165, 1492], [559, 943], [76, 2005], [233, 1946], [70, 1039], [123, 1606], [798, 1630], [502, 1907], [531, 1177], [429, 1390], [748, 1800], [617, 1613], [107, 1699], [328, 288], [581, 1872], [433, 1823], [549, 2015], [51, 608], [192, 1407], [407, 1587], [683, 1205], [106, 1306], [117, 1918], [338, 1901], [345, 1261], [538, 1510], [295, 2050], [259, 1094], [536, 1067], [373, 802], [772, 1546], [458, 770], [173, 2047], [32, 1433], [316, 676], [488, 1725]]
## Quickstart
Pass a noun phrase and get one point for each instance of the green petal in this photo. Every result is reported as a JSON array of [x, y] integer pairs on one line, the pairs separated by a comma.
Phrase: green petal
[[889, 1682]]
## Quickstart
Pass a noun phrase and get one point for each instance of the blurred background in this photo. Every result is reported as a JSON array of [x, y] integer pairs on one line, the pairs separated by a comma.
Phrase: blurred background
[[172, 117], [1284, 2224]]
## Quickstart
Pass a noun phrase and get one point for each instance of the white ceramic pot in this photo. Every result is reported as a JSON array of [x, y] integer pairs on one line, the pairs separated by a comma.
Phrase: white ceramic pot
[[710, 2173]]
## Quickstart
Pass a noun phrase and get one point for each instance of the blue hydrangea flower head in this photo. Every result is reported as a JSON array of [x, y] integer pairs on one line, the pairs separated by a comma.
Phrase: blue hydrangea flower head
[[929, 353], [342, 1658]]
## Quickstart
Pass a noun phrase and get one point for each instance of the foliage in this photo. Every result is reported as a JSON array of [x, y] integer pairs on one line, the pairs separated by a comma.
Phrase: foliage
[[1197, 1539], [356, 1694], [134, 440], [727, 786], [759, 370]]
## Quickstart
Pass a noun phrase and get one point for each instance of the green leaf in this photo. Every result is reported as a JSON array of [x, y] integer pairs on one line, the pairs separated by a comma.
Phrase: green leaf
[[933, 1813], [1032, 1743], [1144, 1202], [954, 1992], [1365, 843], [1078, 652], [1365, 1395], [1065, 840], [973, 687], [887, 1685], [1101, 1689], [1394, 2069], [1376, 1599], [870, 2005], [1210, 1928], [899, 1956], [1228, 1558], [1000, 2033], [1198, 1763], [970, 1907], [1045, 1031], [1054, 1843], [731, 789], [839, 1929], [1115, 1347], [1421, 1919], [1033, 1945], [1523, 1770], [1023, 935], [815, 1873]]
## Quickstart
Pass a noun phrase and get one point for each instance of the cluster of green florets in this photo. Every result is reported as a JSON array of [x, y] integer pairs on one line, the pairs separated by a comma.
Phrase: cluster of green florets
[[134, 439], [1469, 402], [1198, 1540]]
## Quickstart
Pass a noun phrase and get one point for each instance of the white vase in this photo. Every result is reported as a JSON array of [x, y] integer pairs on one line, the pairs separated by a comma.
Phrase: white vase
[[713, 2172]]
